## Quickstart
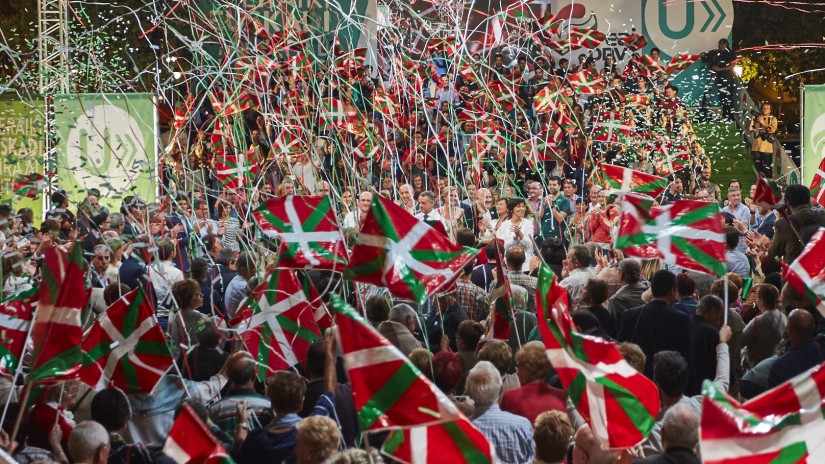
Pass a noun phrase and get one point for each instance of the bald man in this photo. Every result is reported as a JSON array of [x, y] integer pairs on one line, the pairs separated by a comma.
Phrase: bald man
[[240, 371], [804, 353]]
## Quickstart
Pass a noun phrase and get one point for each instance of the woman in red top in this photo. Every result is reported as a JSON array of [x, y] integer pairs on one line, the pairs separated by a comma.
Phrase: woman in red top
[[601, 220]]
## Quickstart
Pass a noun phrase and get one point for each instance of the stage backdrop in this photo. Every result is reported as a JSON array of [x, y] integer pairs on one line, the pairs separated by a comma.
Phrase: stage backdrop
[[22, 147], [813, 130], [106, 141]]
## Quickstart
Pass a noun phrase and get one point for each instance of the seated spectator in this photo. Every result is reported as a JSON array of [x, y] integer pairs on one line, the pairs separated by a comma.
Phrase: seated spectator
[[630, 294], [534, 396], [578, 271], [207, 358], [188, 322], [511, 435], [469, 334], [377, 309], [447, 372], [315, 367]]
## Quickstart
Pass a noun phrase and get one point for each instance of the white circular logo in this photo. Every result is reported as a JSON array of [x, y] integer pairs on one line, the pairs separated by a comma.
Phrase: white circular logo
[[105, 149]]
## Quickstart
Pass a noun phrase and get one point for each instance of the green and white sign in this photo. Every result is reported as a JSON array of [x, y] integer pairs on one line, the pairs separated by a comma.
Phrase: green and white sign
[[813, 131], [22, 146], [108, 142]]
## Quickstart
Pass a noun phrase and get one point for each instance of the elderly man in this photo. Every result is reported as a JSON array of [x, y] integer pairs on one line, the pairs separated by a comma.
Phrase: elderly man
[[241, 375], [630, 294], [355, 218], [426, 207], [680, 436], [511, 435], [534, 396], [578, 267], [514, 258], [400, 327], [88, 444]]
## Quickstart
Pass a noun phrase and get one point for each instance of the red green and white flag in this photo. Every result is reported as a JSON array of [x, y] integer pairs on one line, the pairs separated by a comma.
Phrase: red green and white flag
[[322, 317], [547, 99], [183, 108], [648, 65], [276, 323], [455, 442], [226, 105], [680, 62], [542, 147], [619, 403], [388, 390], [16, 314], [622, 179], [768, 195], [29, 185], [57, 333], [807, 273], [669, 157], [782, 425], [291, 141], [687, 233], [308, 230], [501, 317], [586, 38], [190, 442], [818, 184], [126, 347], [611, 127], [635, 41], [586, 82], [398, 251], [236, 170]]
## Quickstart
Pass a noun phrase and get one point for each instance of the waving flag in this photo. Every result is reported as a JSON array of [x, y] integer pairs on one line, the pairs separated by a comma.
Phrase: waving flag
[[612, 131], [687, 233], [807, 273], [542, 147], [635, 41], [783, 425], [454, 442], [388, 390], [619, 403], [502, 315], [627, 180], [586, 82], [768, 195], [125, 347], [398, 251], [586, 38], [308, 230], [16, 314], [276, 323], [818, 184], [29, 185], [57, 332], [680, 62], [190, 442], [547, 99]]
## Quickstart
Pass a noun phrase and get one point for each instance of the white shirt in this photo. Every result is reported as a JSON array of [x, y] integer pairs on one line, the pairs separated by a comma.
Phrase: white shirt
[[306, 174], [505, 233], [433, 215]]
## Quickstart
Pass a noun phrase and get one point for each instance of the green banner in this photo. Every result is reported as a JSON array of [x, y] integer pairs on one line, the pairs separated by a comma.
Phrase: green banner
[[813, 131], [22, 146], [107, 142]]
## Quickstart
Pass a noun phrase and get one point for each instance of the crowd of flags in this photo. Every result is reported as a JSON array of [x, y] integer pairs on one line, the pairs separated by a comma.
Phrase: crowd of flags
[[126, 348]]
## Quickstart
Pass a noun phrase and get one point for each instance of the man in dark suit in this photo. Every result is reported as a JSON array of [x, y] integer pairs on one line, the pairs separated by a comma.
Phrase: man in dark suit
[[704, 331], [630, 294], [133, 272], [805, 351], [658, 326], [794, 232]]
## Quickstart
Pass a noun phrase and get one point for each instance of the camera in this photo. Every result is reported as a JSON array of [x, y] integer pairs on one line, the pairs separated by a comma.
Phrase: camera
[[755, 113], [768, 137]]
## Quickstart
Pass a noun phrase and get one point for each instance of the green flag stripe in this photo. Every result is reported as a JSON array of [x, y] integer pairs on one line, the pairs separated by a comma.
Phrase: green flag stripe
[[157, 348], [318, 214], [57, 364], [8, 358], [791, 454], [293, 327], [276, 223], [633, 408], [437, 255], [384, 221], [696, 215], [696, 254], [650, 186], [130, 374], [466, 446], [384, 399], [577, 388], [130, 319], [393, 442], [629, 240], [372, 267], [264, 353]]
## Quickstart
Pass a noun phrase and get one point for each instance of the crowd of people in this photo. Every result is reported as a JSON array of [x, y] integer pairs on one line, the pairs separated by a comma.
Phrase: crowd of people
[[458, 151]]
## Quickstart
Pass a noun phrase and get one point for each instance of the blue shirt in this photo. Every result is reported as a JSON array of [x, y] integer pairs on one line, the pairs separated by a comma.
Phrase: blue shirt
[[512, 435]]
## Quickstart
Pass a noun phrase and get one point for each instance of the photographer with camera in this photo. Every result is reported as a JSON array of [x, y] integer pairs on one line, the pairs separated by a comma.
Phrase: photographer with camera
[[721, 62], [763, 127]]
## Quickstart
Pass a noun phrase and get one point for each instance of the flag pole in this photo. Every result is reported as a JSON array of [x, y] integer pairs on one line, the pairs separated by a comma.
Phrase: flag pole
[[725, 317], [24, 398]]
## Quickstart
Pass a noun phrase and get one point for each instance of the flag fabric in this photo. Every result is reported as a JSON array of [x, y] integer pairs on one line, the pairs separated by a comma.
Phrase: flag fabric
[[388, 390], [687, 233], [454, 442], [586, 38], [635, 41], [276, 323], [235, 170], [627, 180], [547, 99], [190, 442], [586, 82], [126, 347], [501, 317], [768, 195], [396, 250], [612, 131], [619, 403], [16, 313], [818, 184], [680, 62], [308, 230], [807, 273], [782, 425], [29, 185], [57, 333]]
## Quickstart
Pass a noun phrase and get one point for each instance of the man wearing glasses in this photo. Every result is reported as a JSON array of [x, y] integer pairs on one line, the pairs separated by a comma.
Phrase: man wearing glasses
[[702, 195]]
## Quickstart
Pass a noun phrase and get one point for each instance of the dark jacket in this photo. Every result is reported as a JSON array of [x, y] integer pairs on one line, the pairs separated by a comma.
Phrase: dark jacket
[[786, 243], [629, 296], [671, 456], [796, 360], [704, 338], [656, 327]]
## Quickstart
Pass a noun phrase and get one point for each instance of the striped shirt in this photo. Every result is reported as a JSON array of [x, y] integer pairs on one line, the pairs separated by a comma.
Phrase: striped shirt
[[224, 413]]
